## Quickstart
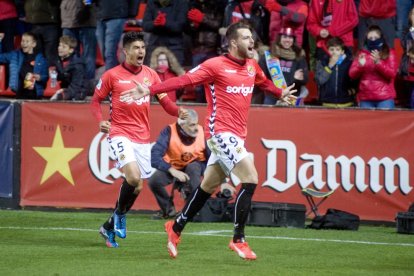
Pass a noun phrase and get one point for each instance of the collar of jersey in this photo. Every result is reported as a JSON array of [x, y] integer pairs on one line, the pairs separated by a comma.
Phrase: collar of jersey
[[238, 61], [132, 68]]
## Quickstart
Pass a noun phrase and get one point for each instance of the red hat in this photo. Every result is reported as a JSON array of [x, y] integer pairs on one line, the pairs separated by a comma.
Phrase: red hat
[[287, 31]]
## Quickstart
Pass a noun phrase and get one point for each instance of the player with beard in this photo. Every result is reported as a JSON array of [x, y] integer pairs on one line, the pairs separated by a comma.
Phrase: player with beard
[[128, 128], [228, 81]]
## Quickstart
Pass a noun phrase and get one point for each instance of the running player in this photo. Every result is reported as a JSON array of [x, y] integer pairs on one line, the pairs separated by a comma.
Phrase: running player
[[128, 128], [229, 81]]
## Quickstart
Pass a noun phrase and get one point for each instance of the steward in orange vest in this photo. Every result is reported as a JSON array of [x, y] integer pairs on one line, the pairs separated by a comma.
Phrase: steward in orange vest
[[179, 156]]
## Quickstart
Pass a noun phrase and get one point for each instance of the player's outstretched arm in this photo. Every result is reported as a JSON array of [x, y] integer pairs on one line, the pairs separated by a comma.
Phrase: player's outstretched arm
[[135, 93]]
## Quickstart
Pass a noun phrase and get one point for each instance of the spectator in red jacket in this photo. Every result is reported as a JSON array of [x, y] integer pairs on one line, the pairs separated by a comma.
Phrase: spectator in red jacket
[[376, 68], [332, 18], [287, 13], [377, 12]]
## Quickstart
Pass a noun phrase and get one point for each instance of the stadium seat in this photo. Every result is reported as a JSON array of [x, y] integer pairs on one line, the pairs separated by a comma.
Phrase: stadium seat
[[310, 194], [4, 90]]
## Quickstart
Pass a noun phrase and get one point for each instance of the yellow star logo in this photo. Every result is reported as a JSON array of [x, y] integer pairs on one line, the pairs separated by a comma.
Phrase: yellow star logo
[[57, 158]]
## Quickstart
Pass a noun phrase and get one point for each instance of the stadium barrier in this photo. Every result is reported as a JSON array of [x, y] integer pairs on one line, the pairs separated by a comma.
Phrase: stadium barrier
[[365, 156]]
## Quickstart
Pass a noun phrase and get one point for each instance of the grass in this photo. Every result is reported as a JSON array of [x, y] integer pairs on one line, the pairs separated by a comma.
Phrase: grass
[[67, 243]]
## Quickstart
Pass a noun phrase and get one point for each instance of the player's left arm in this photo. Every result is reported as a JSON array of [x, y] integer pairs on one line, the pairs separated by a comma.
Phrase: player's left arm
[[264, 84]]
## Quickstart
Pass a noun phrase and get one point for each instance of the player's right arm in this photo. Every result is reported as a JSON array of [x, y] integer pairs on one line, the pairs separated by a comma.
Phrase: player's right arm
[[198, 75], [102, 90]]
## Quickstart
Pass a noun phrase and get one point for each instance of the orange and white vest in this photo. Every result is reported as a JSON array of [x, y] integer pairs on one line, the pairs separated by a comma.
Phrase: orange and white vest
[[180, 155]]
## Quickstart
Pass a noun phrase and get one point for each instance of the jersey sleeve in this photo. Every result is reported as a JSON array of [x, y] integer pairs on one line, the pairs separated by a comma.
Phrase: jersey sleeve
[[198, 75], [204, 72], [260, 75], [104, 86]]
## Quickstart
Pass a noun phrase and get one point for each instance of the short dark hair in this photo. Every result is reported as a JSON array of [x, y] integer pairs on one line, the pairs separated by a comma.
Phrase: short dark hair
[[32, 35], [335, 42], [231, 32], [131, 37]]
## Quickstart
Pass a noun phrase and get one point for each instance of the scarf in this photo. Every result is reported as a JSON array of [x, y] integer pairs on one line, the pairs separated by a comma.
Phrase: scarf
[[283, 53]]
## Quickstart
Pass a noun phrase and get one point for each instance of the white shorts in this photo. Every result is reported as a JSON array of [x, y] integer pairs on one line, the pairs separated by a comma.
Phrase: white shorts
[[127, 151], [227, 149]]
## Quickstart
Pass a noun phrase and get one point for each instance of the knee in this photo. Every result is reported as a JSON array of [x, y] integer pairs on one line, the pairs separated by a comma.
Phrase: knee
[[193, 168], [251, 178], [134, 180]]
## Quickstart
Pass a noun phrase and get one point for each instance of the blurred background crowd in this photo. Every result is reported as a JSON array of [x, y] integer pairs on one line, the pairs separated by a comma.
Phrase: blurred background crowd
[[339, 53]]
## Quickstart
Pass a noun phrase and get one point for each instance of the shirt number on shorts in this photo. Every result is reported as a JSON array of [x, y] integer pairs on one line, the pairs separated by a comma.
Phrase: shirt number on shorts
[[120, 148], [233, 140]]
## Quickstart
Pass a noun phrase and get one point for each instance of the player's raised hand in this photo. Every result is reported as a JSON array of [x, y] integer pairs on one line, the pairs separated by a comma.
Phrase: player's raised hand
[[135, 93], [288, 91], [287, 96], [182, 113], [104, 126]]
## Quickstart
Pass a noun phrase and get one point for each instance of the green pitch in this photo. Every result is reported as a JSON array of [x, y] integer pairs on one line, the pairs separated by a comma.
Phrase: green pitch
[[68, 243]]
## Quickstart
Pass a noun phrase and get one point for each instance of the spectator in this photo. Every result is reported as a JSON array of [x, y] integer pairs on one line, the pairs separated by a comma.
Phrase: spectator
[[205, 17], [28, 68], [71, 72], [111, 17], [180, 155], [330, 18], [287, 13], [292, 60], [375, 67], [407, 39], [380, 13], [406, 70], [8, 22], [166, 65], [165, 21], [334, 85], [252, 12], [403, 12], [408, 74], [44, 15], [79, 21]]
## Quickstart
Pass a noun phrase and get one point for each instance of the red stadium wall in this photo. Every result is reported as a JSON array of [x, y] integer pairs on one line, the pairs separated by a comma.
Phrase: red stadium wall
[[366, 157]]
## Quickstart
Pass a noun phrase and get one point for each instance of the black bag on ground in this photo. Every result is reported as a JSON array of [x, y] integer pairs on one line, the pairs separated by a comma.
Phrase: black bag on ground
[[215, 210], [336, 219]]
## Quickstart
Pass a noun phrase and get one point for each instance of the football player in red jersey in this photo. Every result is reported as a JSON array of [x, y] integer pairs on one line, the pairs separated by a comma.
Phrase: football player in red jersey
[[228, 81], [128, 128]]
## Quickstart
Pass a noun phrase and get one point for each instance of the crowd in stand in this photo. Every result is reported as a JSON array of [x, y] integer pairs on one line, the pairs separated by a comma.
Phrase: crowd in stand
[[346, 47]]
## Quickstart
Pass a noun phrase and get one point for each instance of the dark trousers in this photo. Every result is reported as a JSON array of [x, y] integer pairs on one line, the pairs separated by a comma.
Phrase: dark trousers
[[48, 35], [160, 179]]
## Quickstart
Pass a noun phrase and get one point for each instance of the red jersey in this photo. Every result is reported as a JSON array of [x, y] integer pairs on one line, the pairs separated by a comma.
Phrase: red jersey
[[228, 84], [128, 120]]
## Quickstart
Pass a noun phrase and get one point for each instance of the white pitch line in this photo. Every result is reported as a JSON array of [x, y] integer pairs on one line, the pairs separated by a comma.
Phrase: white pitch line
[[215, 233]]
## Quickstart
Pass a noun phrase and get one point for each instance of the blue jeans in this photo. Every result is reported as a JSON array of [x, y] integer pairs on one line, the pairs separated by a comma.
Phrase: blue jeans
[[403, 9], [386, 104], [108, 33], [86, 37]]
